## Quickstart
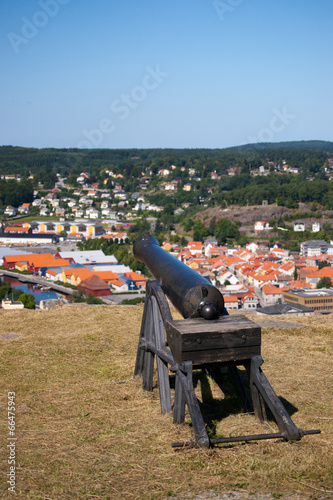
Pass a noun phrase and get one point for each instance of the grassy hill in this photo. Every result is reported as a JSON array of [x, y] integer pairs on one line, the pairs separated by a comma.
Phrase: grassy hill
[[85, 428]]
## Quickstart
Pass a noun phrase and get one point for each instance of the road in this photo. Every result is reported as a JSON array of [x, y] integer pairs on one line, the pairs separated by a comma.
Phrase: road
[[28, 278]]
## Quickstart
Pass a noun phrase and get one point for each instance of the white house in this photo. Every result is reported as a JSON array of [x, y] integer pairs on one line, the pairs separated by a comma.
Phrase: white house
[[139, 206], [10, 211], [271, 294], [227, 276], [55, 203], [23, 209], [260, 225], [170, 186], [315, 227], [44, 211], [250, 301], [252, 247], [72, 203], [231, 302], [93, 213], [164, 172], [104, 204], [106, 195], [80, 213], [299, 226]]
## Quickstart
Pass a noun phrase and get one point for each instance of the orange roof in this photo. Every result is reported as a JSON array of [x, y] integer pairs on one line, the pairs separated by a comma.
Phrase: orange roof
[[77, 272], [248, 296], [269, 265], [15, 229], [20, 258], [310, 268], [117, 282], [106, 275], [48, 260], [230, 298], [38, 259], [287, 266], [232, 260], [278, 250], [297, 284], [324, 272], [270, 289], [195, 244], [135, 276]]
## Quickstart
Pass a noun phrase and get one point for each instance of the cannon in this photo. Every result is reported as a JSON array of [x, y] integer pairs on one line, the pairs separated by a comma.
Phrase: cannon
[[207, 339], [192, 294]]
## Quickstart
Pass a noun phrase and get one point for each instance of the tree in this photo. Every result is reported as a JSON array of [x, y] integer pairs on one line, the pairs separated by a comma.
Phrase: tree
[[324, 282], [28, 300], [324, 263]]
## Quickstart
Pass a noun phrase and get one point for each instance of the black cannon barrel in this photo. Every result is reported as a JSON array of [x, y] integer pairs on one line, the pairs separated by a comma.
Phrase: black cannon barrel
[[192, 294]]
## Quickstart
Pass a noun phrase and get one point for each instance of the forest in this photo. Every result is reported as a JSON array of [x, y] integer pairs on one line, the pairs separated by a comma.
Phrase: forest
[[246, 187]]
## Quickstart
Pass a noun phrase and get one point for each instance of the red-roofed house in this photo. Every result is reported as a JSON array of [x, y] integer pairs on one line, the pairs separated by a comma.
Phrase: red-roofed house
[[231, 302], [271, 294], [195, 247], [314, 277], [140, 281], [119, 286], [288, 268], [260, 225], [250, 301], [94, 285]]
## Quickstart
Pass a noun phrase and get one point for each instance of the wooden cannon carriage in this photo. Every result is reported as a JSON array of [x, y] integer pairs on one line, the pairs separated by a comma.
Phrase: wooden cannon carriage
[[207, 338]]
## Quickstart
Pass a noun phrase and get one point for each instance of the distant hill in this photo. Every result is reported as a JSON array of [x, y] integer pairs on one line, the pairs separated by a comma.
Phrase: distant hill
[[308, 145]]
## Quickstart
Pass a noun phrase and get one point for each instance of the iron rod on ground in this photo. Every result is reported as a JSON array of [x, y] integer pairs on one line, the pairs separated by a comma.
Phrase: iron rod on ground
[[235, 439]]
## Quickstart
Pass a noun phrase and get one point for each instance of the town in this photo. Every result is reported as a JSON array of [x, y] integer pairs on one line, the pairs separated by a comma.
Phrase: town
[[261, 232], [270, 280]]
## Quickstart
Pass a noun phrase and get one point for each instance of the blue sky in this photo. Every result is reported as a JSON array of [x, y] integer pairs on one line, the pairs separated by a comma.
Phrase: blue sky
[[179, 74]]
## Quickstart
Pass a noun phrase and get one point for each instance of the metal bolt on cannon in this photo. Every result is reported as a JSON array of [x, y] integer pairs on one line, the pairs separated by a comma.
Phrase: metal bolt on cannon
[[207, 339]]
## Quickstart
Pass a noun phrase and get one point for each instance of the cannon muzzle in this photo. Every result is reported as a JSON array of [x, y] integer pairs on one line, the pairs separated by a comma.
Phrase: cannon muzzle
[[190, 293]]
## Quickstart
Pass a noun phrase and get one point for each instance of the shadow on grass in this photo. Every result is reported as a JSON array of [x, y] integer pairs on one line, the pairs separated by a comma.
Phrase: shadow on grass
[[236, 398]]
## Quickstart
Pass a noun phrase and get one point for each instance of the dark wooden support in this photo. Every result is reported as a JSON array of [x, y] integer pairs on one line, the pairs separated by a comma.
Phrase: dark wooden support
[[198, 423], [147, 376], [228, 341], [162, 365], [179, 402], [139, 363], [259, 384]]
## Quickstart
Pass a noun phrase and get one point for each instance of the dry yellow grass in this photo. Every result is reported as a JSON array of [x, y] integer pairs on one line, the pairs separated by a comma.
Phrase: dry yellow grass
[[86, 429]]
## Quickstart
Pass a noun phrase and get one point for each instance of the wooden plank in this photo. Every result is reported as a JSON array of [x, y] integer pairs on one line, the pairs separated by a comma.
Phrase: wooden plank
[[261, 388], [218, 340], [139, 363], [164, 353], [162, 367], [220, 355], [179, 401], [223, 323], [148, 364], [162, 302], [193, 405]]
